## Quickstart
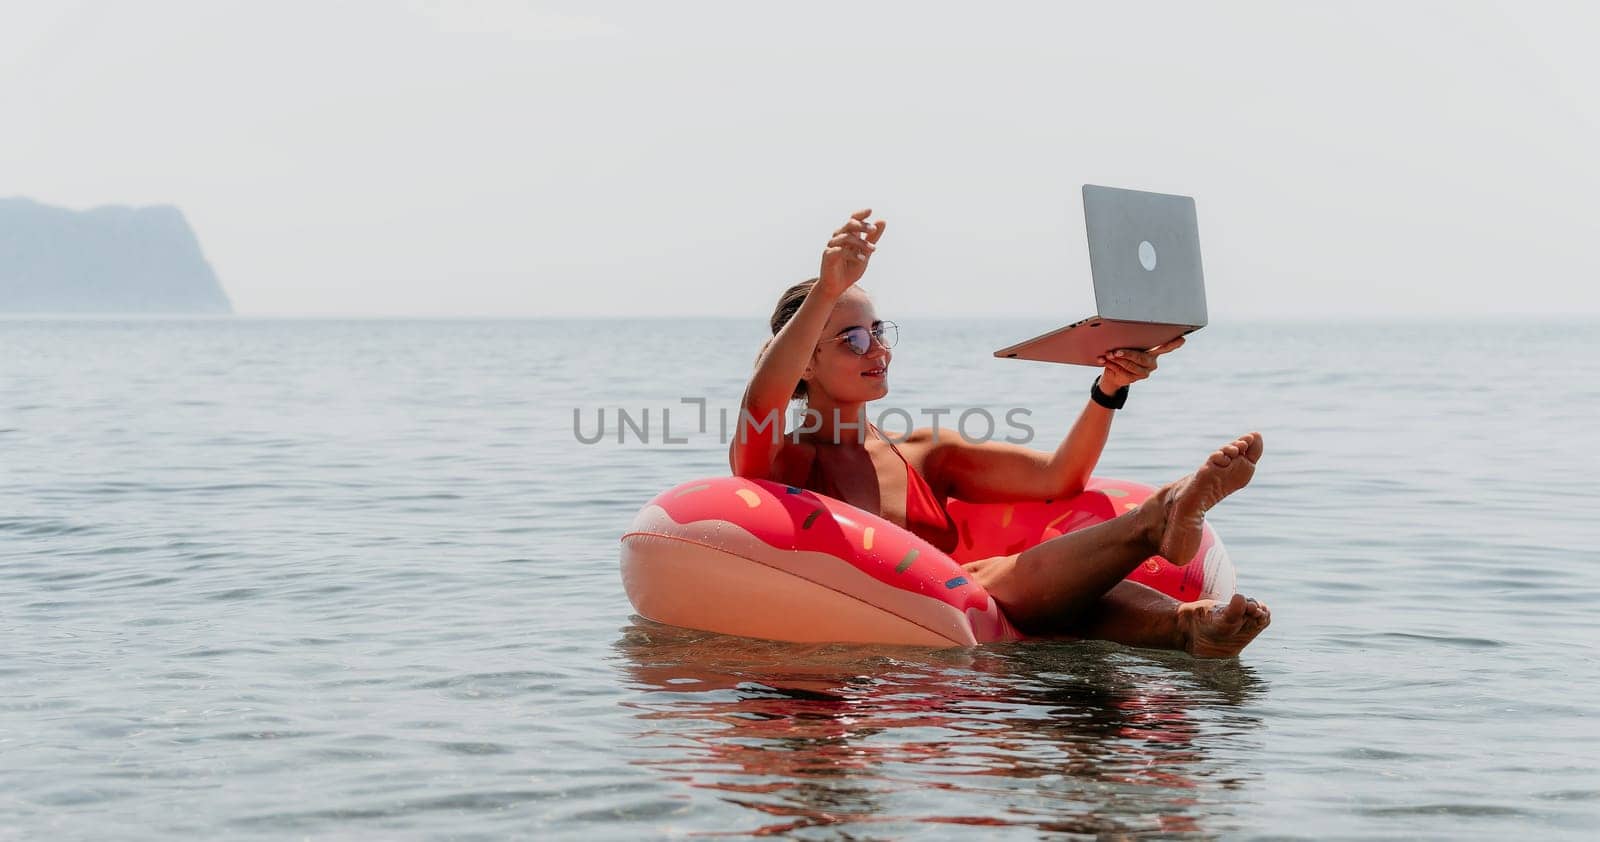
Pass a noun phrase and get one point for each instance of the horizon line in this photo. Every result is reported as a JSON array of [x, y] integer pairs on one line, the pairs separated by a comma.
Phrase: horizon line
[[577, 317]]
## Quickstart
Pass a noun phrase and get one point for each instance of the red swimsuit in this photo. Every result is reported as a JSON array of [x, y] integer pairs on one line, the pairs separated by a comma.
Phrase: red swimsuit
[[925, 513]]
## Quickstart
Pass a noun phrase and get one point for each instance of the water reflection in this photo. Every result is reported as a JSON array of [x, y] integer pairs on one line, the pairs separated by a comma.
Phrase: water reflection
[[1084, 738]]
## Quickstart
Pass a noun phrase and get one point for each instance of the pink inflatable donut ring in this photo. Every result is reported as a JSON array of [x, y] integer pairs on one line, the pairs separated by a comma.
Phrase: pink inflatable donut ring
[[760, 559]]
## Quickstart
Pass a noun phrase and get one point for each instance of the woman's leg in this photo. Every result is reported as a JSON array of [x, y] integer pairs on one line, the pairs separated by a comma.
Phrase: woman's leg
[[1136, 615], [1066, 575]]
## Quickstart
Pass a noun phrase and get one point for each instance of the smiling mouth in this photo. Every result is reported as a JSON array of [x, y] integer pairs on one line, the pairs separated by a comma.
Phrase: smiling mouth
[[875, 372]]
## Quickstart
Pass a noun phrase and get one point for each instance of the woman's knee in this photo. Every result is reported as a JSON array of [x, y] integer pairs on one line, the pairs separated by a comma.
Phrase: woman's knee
[[993, 574]]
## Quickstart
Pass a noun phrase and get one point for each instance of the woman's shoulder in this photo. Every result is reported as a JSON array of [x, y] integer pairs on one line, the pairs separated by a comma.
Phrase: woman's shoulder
[[766, 455], [929, 450], [922, 438]]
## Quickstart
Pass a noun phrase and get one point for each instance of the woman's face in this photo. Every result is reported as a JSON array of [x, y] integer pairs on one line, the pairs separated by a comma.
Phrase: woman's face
[[837, 372]]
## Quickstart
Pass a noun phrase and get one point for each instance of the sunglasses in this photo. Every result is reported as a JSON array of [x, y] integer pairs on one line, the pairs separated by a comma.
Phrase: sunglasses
[[859, 339]]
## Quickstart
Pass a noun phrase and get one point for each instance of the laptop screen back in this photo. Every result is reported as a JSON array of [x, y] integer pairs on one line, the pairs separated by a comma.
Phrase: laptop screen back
[[1144, 251]]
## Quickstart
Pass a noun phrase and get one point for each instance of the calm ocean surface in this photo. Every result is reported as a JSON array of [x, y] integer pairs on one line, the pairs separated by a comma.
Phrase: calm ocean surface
[[332, 579]]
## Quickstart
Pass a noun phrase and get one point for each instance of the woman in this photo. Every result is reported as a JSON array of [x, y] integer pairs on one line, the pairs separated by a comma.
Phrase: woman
[[830, 348]]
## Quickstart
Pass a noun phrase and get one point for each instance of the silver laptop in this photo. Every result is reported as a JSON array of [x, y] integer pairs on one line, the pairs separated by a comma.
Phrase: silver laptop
[[1144, 253]]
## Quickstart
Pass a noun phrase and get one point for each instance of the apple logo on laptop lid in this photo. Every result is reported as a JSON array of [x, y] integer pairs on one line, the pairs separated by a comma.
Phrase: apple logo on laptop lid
[[1147, 256]]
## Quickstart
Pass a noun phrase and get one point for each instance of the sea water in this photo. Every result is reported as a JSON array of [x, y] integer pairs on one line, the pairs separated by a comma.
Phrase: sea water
[[337, 579]]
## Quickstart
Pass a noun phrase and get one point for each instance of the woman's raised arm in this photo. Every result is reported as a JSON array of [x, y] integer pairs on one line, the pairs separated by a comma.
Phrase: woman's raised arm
[[759, 433]]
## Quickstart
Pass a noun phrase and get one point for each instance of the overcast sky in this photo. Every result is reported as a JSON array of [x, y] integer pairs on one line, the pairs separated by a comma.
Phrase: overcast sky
[[506, 158]]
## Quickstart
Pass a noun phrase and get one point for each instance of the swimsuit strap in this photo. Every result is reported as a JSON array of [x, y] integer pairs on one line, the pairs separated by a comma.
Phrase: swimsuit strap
[[918, 491], [886, 440]]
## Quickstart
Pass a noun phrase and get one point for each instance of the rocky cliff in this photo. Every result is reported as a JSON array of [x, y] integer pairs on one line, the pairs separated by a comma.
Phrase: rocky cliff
[[112, 259]]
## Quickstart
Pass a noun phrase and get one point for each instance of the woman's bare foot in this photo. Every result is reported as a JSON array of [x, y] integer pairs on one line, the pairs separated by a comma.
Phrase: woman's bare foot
[[1227, 470], [1210, 629]]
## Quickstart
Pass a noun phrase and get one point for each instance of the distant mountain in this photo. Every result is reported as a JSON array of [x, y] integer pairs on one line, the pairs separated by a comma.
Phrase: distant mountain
[[113, 259]]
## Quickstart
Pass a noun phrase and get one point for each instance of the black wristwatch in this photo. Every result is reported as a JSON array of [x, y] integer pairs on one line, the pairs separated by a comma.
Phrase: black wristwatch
[[1112, 401]]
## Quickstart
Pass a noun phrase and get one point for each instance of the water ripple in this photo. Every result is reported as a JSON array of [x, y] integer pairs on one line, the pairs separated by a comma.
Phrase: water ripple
[[343, 579]]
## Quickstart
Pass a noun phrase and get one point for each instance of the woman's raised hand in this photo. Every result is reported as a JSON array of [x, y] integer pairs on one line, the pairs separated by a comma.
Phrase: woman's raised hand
[[1127, 365], [844, 261]]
